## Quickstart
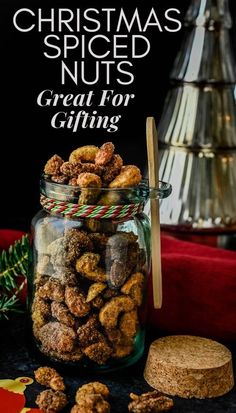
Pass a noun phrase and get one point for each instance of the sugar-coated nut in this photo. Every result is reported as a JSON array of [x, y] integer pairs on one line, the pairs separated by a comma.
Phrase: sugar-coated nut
[[53, 165], [97, 302], [129, 176], [56, 336], [92, 168], [104, 154], [112, 169], [52, 290], [150, 402], [87, 265], [117, 338], [94, 290], [50, 401], [118, 274], [59, 179], [70, 169], [57, 251], [129, 323], [75, 300], [98, 352], [47, 376], [134, 288], [88, 333], [62, 314], [95, 387], [84, 154], [89, 180], [76, 241], [40, 311], [91, 403], [109, 314]]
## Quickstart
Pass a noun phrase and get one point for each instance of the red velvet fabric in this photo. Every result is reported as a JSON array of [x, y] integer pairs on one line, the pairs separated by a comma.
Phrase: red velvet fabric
[[199, 289]]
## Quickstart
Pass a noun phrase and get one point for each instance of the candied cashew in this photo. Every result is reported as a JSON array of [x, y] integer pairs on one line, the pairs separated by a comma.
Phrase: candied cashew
[[47, 376], [134, 288], [85, 181], [109, 314], [129, 323], [94, 290], [129, 176], [112, 169], [85, 153], [86, 265], [121, 351]]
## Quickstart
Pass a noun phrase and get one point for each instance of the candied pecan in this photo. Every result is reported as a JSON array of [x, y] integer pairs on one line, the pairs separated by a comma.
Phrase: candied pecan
[[47, 376], [91, 403], [94, 290], [88, 333], [112, 169], [98, 352], [52, 290], [129, 323], [152, 402], [109, 314], [59, 179], [85, 153], [56, 336], [92, 168], [51, 401], [129, 176], [104, 154], [71, 169], [76, 302], [53, 165], [76, 241], [86, 265], [94, 387], [62, 314]]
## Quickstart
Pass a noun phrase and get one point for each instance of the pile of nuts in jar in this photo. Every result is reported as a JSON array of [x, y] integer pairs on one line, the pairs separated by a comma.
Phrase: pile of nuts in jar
[[90, 276]]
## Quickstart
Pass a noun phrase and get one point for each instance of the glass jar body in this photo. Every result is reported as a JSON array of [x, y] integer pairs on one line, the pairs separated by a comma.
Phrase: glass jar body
[[88, 289]]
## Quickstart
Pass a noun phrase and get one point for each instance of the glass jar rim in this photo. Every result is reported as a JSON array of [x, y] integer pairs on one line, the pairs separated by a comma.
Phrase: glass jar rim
[[57, 190]]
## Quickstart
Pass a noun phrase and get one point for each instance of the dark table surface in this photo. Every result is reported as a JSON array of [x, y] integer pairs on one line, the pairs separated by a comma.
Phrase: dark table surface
[[16, 360]]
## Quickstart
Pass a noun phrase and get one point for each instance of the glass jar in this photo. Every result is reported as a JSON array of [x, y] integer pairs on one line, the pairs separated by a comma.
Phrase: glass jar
[[90, 264]]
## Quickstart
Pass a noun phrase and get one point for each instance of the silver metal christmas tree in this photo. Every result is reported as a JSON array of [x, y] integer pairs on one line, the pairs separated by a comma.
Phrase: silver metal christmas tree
[[197, 130]]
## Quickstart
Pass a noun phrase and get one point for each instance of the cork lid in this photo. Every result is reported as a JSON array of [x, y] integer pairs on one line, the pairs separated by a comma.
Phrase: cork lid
[[189, 366]]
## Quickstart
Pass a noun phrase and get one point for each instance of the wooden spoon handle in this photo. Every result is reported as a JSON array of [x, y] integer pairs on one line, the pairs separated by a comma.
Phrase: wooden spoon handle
[[153, 170]]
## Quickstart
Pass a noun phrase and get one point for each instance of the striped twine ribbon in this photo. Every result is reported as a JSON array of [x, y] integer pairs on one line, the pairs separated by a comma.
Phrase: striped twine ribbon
[[68, 209]]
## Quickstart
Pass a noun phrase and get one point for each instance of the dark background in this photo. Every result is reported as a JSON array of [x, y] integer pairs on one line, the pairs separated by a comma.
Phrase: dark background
[[27, 138]]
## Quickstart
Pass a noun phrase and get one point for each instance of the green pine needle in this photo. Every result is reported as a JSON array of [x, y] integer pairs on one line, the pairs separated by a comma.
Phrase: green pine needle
[[13, 263]]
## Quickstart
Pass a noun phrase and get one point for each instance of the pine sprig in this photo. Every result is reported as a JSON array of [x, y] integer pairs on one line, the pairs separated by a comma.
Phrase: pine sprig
[[13, 263]]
